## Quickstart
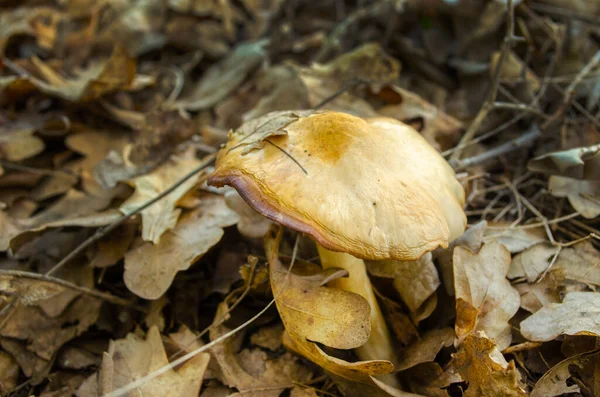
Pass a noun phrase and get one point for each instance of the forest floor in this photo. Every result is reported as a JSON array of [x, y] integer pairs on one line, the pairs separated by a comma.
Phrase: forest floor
[[122, 273]]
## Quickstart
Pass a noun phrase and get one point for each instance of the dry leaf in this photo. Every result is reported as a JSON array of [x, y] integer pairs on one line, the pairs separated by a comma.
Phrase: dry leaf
[[557, 382], [368, 62], [111, 248], [335, 318], [280, 88], [515, 70], [68, 209], [8, 230], [516, 239], [532, 262], [583, 195], [224, 77], [72, 357], [538, 294], [45, 334], [580, 262], [303, 392], [17, 139], [9, 373], [415, 281], [579, 163], [400, 324], [426, 349], [311, 311], [578, 314], [162, 216], [32, 365], [472, 239], [132, 358], [438, 127], [485, 300], [150, 268], [483, 367], [187, 341], [268, 337], [98, 79], [250, 372]]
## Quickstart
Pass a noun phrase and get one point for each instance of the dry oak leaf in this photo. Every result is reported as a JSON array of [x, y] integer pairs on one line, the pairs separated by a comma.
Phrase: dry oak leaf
[[426, 349], [100, 78], [279, 88], [583, 195], [415, 281], [250, 371], [579, 163], [483, 367], [32, 365], [516, 239], [485, 300], [438, 127], [162, 216], [555, 381], [151, 268], [532, 262], [17, 139], [45, 334], [581, 263], [472, 239], [224, 77], [132, 358], [312, 312], [9, 373], [544, 292], [578, 314]]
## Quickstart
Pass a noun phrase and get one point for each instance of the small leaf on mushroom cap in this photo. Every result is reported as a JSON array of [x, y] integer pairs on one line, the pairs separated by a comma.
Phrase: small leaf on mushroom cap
[[371, 187]]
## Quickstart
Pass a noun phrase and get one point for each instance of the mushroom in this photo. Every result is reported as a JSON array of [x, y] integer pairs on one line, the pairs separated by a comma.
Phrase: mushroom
[[361, 188]]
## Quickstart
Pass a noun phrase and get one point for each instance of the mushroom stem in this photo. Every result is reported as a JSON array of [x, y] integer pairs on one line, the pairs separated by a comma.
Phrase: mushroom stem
[[379, 346]]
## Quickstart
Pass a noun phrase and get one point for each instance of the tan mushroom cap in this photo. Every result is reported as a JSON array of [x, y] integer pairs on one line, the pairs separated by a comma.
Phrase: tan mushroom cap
[[373, 188]]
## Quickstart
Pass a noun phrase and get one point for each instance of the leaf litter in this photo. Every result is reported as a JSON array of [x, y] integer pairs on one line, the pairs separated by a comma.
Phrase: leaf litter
[[105, 107]]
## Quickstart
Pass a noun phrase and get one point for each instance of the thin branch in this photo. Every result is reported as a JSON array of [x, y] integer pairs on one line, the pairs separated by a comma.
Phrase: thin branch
[[507, 147], [565, 13], [100, 233], [348, 85], [33, 170], [488, 104], [288, 155], [96, 294], [569, 93]]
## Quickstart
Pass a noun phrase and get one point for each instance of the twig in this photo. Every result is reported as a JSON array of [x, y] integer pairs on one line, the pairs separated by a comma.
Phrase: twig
[[208, 160], [96, 294], [32, 170], [349, 84], [538, 224], [152, 375], [569, 93], [288, 155], [488, 104], [564, 12], [523, 107], [521, 347], [509, 146]]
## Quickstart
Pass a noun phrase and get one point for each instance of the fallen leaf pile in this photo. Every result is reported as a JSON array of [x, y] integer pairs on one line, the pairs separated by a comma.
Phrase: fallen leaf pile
[[117, 258]]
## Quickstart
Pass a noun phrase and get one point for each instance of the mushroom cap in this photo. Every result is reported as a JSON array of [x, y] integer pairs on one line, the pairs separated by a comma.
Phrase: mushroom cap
[[373, 188]]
